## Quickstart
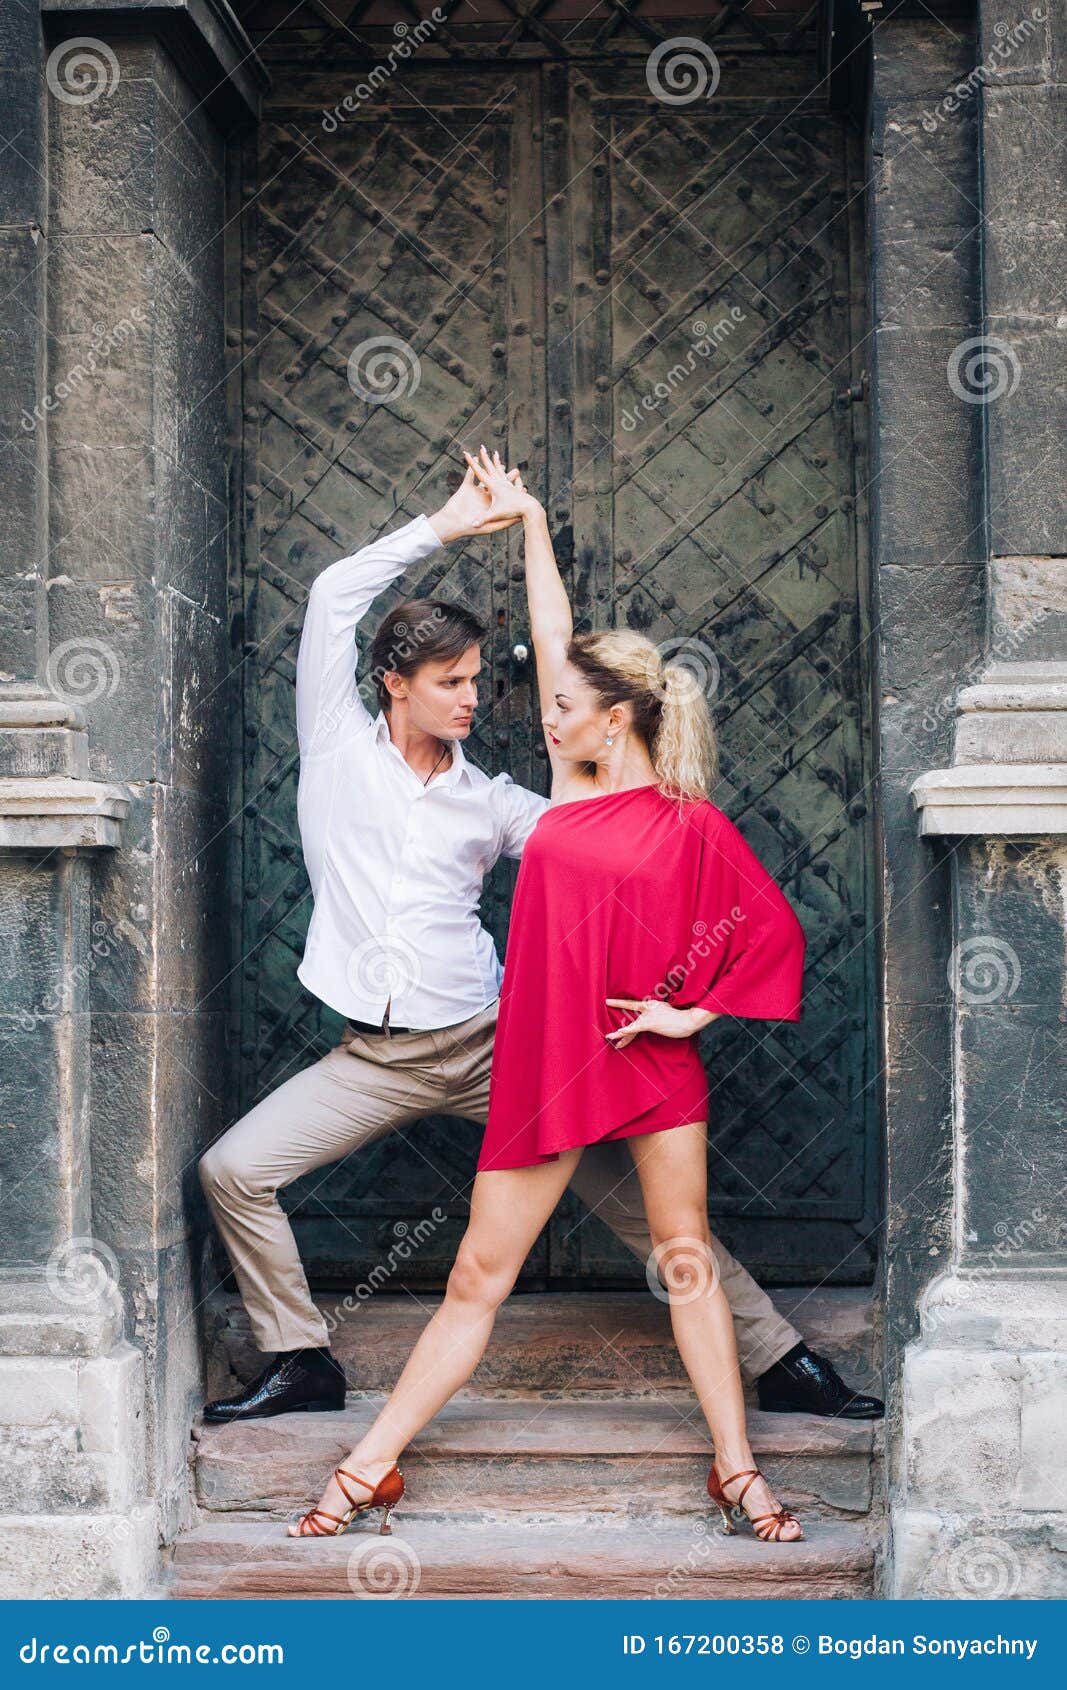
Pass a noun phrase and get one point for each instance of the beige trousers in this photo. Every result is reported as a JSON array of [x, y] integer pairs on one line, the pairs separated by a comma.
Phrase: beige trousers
[[363, 1088]]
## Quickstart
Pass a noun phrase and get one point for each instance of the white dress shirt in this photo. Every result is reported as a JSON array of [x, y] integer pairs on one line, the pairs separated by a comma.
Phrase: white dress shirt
[[396, 867]]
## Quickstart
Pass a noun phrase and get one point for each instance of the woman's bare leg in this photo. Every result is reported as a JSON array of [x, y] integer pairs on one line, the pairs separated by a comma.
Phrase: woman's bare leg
[[509, 1206], [672, 1168]]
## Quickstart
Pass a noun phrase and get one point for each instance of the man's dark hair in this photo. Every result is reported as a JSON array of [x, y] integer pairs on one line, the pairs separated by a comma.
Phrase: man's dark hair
[[420, 631]]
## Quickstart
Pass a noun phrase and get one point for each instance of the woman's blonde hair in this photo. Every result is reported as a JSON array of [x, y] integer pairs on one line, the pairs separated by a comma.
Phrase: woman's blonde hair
[[670, 705]]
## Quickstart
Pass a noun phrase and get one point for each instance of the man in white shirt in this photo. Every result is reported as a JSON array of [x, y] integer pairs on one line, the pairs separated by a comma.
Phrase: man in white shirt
[[398, 831]]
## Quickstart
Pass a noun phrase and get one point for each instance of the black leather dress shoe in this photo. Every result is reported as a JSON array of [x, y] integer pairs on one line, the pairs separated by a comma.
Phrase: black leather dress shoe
[[294, 1380], [806, 1383]]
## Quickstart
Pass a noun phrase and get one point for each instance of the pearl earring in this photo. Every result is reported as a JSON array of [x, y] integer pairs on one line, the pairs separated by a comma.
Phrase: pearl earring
[[609, 740]]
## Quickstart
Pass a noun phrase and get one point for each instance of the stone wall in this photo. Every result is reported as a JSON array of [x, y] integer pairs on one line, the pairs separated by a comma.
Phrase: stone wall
[[117, 696]]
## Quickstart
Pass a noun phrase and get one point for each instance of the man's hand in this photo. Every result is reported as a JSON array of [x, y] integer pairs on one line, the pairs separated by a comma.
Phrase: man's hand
[[467, 511]]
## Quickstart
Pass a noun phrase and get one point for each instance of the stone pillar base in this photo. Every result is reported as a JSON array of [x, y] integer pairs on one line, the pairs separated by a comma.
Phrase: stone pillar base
[[78, 1522], [984, 1510]]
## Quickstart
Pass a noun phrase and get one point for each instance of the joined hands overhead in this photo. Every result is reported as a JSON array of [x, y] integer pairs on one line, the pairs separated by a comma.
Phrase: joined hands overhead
[[488, 499]]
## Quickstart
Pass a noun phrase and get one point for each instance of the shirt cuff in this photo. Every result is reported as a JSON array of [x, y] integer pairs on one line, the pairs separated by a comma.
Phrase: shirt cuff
[[423, 534]]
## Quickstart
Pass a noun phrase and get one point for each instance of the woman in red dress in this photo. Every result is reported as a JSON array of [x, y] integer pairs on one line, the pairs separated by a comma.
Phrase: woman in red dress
[[640, 915]]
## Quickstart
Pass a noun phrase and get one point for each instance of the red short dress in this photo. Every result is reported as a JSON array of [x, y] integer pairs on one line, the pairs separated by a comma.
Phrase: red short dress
[[627, 896]]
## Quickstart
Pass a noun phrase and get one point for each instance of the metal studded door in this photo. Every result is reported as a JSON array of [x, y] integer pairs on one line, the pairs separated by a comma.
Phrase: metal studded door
[[650, 307], [705, 288], [378, 254]]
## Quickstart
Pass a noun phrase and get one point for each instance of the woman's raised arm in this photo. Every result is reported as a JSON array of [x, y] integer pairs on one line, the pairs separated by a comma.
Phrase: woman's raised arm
[[551, 621]]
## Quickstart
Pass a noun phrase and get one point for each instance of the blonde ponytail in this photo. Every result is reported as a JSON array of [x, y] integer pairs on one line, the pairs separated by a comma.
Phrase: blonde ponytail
[[685, 752], [670, 705]]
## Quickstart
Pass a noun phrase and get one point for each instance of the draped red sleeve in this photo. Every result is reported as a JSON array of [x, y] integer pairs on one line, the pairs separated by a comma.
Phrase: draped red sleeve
[[748, 945]]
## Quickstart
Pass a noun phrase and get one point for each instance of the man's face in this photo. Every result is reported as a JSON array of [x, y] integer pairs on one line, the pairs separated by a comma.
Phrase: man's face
[[442, 694]]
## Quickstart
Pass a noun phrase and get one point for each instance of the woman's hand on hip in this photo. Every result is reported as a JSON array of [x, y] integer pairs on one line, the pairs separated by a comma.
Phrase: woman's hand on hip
[[653, 1016]]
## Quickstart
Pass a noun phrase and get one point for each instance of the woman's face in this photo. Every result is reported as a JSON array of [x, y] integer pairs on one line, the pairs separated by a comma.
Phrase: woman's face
[[576, 725]]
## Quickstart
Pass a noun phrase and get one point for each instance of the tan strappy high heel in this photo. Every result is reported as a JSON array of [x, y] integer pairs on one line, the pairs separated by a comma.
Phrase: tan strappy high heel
[[385, 1495], [767, 1527]]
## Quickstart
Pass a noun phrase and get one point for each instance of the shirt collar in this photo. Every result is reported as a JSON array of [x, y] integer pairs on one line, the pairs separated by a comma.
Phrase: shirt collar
[[459, 770]]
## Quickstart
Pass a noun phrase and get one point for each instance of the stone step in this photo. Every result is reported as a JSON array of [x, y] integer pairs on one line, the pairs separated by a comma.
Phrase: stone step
[[617, 1341], [509, 1560], [639, 1457]]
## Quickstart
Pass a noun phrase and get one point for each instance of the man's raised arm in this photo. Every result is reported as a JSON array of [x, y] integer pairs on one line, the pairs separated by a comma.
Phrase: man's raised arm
[[327, 697], [326, 693]]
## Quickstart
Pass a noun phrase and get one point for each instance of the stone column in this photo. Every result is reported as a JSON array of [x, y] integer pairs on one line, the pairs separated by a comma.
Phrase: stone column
[[982, 1506], [78, 1520], [114, 788], [928, 590], [23, 197]]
